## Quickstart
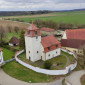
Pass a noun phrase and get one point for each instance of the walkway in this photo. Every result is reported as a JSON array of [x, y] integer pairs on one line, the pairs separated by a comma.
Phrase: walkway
[[7, 80], [74, 77]]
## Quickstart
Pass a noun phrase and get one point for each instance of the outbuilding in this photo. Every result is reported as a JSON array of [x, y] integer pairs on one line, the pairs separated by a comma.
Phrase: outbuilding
[[14, 41]]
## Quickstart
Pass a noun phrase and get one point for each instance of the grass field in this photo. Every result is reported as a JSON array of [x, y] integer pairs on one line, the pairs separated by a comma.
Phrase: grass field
[[7, 54], [60, 17]]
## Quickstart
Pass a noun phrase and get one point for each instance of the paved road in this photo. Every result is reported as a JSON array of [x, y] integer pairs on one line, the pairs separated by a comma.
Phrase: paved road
[[7, 80], [74, 78]]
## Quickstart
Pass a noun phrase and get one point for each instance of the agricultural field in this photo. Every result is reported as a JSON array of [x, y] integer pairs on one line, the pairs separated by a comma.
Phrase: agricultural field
[[76, 17], [12, 24]]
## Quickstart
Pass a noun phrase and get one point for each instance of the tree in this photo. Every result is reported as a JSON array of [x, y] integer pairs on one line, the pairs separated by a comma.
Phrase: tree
[[22, 40], [16, 29], [47, 65], [2, 33], [9, 28], [81, 59]]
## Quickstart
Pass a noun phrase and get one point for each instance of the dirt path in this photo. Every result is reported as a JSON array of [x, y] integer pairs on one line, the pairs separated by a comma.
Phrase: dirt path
[[74, 77]]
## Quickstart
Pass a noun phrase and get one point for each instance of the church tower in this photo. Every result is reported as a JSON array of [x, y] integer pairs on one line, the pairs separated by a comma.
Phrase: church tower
[[33, 43]]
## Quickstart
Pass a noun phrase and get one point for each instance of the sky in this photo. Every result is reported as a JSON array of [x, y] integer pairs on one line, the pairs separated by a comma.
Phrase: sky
[[34, 5]]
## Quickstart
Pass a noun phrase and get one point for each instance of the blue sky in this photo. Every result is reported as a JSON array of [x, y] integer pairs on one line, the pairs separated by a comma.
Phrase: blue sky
[[33, 5]]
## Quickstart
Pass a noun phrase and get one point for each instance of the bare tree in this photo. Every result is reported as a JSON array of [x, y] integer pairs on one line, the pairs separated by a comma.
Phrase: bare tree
[[9, 28], [16, 29], [2, 33]]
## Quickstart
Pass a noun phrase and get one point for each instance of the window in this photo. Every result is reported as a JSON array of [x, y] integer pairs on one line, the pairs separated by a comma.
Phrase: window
[[49, 55], [35, 32], [36, 37], [29, 51], [56, 45], [56, 51], [48, 48], [37, 52], [28, 32]]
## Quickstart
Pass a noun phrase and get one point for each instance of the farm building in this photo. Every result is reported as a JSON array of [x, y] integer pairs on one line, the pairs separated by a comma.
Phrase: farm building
[[14, 41], [1, 57], [48, 31], [73, 40], [40, 48]]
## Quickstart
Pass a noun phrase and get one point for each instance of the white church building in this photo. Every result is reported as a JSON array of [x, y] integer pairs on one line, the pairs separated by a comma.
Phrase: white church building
[[1, 56], [40, 48]]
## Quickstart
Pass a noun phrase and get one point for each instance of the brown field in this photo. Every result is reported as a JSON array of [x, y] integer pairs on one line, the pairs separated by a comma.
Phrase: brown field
[[28, 16], [6, 23]]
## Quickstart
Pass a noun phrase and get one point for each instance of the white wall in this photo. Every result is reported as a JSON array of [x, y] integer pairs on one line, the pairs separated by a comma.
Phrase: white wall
[[44, 71], [64, 35], [10, 44], [52, 53], [1, 57]]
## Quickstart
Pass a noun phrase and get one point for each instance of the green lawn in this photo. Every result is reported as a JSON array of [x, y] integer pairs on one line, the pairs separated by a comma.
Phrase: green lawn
[[83, 82], [72, 17], [18, 71], [7, 54]]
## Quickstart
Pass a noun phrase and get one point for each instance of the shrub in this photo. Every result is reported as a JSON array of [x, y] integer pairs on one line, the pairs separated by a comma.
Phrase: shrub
[[47, 65]]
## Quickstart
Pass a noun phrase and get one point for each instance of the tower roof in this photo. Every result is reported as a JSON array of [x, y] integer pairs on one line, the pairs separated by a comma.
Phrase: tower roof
[[32, 27], [32, 31]]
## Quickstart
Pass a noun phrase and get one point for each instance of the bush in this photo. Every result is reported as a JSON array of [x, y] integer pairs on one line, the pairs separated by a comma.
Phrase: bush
[[47, 65]]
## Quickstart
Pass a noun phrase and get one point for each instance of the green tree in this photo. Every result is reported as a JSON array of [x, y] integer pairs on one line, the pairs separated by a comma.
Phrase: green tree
[[2, 33], [22, 40], [47, 65]]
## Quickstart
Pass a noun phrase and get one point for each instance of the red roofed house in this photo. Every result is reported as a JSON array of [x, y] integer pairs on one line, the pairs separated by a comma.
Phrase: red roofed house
[[14, 41], [38, 48], [1, 57], [48, 31], [73, 40], [74, 34]]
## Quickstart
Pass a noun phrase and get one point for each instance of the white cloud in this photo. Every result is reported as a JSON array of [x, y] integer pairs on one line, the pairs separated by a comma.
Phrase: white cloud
[[28, 5]]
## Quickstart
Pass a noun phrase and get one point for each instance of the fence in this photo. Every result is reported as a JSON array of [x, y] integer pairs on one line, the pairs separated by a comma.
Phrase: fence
[[44, 71]]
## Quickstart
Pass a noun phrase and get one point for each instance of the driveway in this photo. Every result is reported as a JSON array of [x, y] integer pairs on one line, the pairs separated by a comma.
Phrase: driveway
[[74, 77], [7, 80]]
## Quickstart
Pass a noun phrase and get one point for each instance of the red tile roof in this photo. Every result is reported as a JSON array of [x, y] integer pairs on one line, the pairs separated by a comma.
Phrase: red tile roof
[[75, 34], [32, 27], [0, 49], [72, 43], [49, 41], [47, 29], [14, 40], [30, 31]]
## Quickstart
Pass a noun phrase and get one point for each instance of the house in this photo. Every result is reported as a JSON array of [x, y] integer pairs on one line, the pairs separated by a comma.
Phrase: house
[[40, 48], [48, 31], [74, 34], [73, 40], [14, 41], [1, 57], [73, 45]]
